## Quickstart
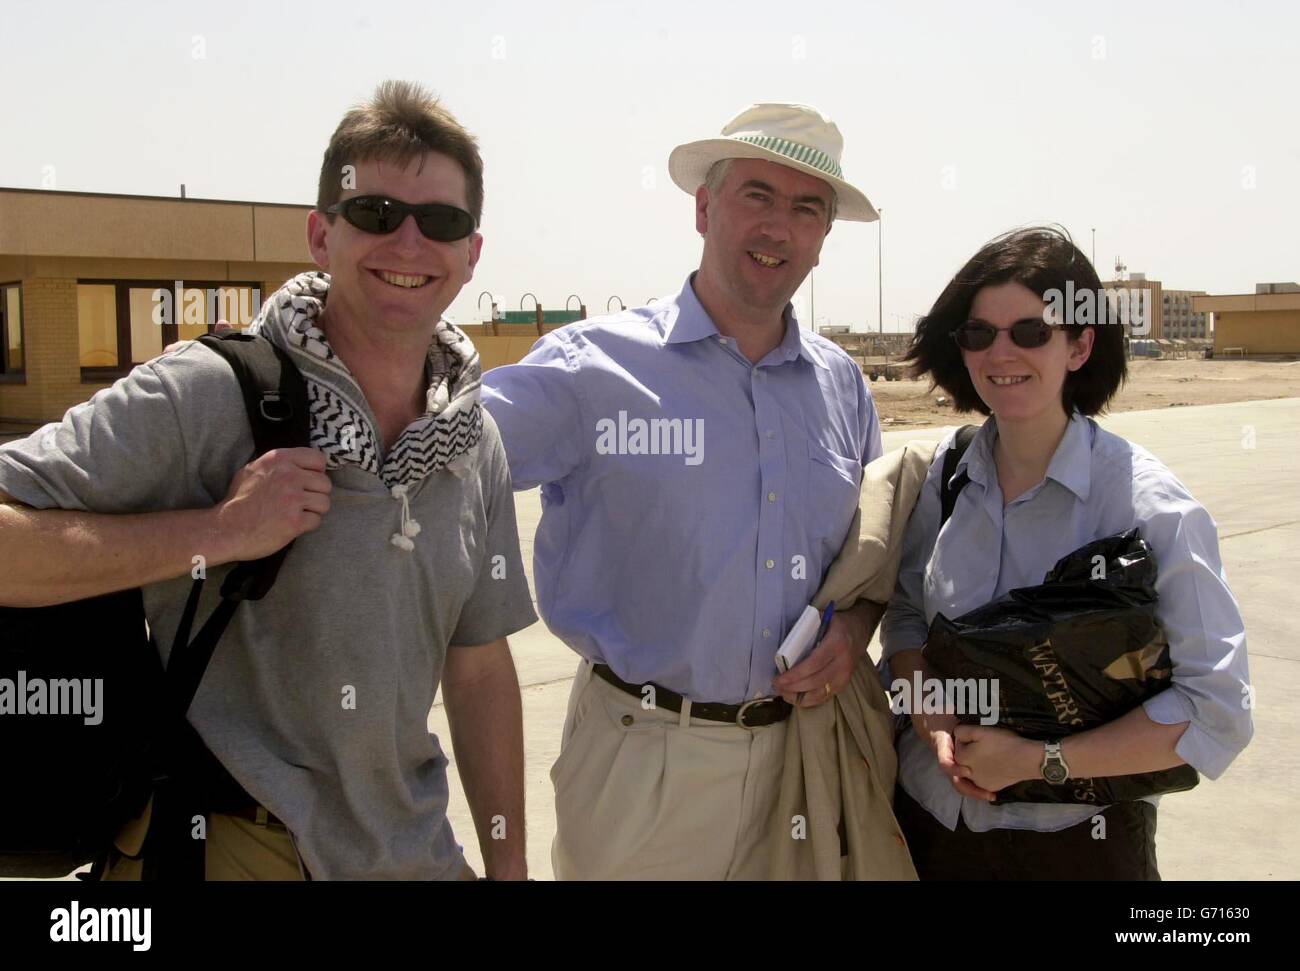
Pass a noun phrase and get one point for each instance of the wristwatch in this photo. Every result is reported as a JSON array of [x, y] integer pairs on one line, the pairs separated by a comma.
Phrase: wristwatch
[[1054, 768]]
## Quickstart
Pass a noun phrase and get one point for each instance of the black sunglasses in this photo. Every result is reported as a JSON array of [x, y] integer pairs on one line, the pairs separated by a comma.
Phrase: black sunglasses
[[382, 215], [975, 335]]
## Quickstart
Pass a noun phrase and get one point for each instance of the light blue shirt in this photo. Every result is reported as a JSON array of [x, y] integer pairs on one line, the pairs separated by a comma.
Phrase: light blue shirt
[[691, 500], [1097, 485]]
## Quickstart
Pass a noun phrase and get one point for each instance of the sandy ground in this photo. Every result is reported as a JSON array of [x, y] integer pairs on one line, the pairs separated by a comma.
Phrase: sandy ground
[[1231, 828], [1238, 827], [1151, 384]]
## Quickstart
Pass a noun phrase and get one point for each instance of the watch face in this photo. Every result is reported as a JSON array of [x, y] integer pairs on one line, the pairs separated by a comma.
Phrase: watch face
[[1054, 773]]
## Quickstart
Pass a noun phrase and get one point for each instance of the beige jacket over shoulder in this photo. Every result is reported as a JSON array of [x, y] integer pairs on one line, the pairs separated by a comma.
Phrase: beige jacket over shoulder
[[835, 817]]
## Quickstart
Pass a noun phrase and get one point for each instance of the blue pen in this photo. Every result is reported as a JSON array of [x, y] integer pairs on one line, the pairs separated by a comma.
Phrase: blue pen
[[821, 632], [826, 622]]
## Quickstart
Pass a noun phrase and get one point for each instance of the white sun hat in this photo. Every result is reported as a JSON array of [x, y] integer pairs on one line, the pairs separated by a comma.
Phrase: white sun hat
[[797, 136]]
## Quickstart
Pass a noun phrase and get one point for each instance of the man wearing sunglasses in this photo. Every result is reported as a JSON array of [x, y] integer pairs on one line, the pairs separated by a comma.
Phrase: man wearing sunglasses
[[405, 571], [700, 461]]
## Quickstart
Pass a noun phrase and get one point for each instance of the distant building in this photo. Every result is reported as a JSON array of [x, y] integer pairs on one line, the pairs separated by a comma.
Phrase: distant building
[[1250, 324], [1172, 314], [828, 329], [92, 284], [1179, 321], [859, 343], [1153, 302]]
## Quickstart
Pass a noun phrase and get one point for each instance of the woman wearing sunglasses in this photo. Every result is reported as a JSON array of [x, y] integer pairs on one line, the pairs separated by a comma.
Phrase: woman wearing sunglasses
[[1042, 480]]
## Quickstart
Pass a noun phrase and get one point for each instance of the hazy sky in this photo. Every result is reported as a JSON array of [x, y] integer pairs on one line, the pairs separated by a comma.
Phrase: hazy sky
[[1170, 128]]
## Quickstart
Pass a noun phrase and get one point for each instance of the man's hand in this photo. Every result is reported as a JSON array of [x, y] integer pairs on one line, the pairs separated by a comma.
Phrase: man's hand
[[995, 758], [827, 669], [272, 500]]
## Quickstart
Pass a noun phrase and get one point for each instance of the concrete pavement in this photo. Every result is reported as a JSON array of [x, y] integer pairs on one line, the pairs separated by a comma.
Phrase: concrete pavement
[[1240, 461]]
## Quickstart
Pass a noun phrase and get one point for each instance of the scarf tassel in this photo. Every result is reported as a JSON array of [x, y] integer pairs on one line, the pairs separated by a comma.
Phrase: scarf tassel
[[410, 528]]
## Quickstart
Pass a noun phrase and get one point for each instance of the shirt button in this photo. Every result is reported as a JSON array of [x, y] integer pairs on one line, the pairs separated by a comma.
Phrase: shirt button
[[767, 632], [626, 719], [771, 434], [771, 563], [771, 497]]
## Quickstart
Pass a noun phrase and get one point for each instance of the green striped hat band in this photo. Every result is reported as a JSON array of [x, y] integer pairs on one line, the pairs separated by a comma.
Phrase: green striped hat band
[[793, 150]]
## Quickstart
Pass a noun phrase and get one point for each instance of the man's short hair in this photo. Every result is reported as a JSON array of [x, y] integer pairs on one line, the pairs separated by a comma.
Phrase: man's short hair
[[1040, 258], [717, 175], [400, 123]]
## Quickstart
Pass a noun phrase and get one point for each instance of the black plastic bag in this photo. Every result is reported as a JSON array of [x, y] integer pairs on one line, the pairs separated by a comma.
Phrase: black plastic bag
[[1077, 651]]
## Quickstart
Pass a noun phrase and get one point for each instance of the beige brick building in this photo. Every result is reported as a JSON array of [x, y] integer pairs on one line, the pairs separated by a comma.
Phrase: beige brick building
[[1266, 322], [92, 284]]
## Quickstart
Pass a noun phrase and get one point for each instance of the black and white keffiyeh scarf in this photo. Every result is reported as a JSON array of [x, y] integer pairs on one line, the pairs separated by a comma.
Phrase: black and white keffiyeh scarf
[[342, 424]]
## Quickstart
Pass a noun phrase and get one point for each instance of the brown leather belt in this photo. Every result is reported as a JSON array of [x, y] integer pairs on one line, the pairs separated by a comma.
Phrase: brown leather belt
[[750, 714], [254, 814]]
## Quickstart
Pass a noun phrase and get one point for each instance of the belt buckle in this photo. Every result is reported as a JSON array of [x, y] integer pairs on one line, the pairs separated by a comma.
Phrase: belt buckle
[[740, 715]]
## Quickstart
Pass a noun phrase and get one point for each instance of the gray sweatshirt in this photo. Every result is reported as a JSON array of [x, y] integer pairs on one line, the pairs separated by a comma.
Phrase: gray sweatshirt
[[317, 697]]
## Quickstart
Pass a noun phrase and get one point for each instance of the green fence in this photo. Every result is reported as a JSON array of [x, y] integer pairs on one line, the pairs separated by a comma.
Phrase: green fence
[[548, 317]]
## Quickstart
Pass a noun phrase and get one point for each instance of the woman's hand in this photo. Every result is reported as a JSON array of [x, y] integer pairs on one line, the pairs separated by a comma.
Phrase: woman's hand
[[939, 731], [996, 758]]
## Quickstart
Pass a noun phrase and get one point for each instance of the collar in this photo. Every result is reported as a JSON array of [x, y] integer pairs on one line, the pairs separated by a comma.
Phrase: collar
[[342, 424], [1071, 464], [689, 321]]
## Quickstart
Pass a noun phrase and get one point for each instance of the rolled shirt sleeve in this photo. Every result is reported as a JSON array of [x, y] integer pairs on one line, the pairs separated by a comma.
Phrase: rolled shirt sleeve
[[538, 408], [1207, 639]]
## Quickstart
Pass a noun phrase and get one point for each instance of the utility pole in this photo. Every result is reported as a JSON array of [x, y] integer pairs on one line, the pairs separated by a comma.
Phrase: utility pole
[[880, 269]]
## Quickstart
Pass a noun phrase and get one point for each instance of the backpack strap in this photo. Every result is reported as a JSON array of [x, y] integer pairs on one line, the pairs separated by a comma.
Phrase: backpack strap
[[948, 487], [192, 781], [275, 400]]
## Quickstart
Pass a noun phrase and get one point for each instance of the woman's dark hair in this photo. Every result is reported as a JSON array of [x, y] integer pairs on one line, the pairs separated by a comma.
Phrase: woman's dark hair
[[1042, 259]]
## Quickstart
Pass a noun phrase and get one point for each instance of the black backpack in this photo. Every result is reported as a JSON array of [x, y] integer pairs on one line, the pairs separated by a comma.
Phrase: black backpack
[[73, 779]]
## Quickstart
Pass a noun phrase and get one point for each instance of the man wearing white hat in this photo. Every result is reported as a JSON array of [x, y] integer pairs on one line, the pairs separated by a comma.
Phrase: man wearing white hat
[[700, 460]]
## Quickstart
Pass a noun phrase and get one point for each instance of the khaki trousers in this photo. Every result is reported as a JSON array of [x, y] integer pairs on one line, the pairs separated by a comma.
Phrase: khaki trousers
[[235, 849], [643, 793]]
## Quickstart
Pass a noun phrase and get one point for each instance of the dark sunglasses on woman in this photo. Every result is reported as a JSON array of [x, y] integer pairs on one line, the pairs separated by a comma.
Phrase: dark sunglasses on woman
[[975, 335], [381, 215]]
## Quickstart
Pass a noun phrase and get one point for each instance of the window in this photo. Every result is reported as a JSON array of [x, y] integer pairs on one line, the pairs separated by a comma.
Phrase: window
[[146, 324], [97, 325], [11, 329], [122, 323]]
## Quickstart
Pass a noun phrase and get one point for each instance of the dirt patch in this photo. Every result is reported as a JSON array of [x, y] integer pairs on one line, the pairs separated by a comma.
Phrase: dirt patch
[[1151, 384]]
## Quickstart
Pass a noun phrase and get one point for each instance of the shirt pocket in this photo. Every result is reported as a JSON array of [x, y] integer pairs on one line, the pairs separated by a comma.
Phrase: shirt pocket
[[834, 484]]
